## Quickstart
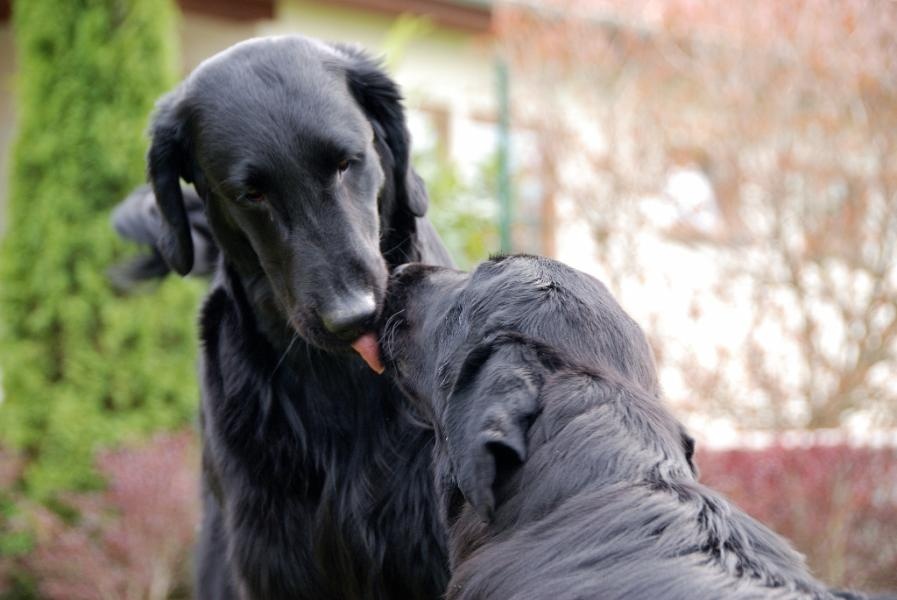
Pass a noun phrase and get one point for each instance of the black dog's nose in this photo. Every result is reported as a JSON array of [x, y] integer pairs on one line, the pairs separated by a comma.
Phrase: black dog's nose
[[351, 317]]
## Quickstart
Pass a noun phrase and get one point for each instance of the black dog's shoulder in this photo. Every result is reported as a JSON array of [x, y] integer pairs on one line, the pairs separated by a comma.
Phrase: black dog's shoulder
[[217, 309]]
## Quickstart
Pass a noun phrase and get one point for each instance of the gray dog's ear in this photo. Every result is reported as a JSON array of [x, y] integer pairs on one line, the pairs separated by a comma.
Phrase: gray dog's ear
[[168, 161], [381, 100], [487, 416]]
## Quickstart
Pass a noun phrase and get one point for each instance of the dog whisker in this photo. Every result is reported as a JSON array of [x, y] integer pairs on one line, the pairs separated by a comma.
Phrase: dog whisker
[[394, 247], [387, 338], [285, 353]]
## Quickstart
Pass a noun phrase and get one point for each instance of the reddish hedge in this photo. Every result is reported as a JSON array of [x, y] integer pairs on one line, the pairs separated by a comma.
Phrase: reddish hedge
[[837, 504], [131, 541]]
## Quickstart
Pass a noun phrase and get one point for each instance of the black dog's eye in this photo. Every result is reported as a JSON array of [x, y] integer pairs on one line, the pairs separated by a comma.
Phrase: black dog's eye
[[252, 196], [342, 166]]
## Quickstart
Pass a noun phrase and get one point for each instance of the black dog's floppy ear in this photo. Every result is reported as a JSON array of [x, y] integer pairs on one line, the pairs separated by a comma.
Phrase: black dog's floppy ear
[[381, 100], [487, 416], [167, 163]]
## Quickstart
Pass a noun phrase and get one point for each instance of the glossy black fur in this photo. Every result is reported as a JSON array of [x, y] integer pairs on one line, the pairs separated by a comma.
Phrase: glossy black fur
[[561, 473], [316, 483]]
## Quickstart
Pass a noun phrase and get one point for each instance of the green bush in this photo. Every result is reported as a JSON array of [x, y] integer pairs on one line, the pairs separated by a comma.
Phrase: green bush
[[464, 212], [83, 368]]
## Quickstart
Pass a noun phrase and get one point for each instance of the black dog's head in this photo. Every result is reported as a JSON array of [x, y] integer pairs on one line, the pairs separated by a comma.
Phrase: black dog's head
[[471, 351], [300, 153]]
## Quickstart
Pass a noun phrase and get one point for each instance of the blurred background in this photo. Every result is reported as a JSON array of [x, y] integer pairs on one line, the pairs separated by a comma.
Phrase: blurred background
[[729, 170]]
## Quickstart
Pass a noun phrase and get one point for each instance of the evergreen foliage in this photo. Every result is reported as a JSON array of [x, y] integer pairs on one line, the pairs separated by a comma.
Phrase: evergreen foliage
[[83, 367]]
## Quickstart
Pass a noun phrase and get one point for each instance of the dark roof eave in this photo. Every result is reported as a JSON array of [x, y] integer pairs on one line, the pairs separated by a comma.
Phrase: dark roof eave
[[468, 15]]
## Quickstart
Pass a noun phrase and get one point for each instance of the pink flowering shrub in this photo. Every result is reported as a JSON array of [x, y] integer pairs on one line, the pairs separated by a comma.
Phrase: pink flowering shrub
[[837, 505], [131, 541], [13, 541]]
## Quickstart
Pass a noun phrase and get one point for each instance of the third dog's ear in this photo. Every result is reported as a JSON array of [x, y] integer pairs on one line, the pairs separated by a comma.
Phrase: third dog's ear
[[380, 99], [688, 447], [167, 163], [487, 416]]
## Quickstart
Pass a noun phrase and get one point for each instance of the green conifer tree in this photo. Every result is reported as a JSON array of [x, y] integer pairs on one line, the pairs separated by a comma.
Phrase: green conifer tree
[[83, 367]]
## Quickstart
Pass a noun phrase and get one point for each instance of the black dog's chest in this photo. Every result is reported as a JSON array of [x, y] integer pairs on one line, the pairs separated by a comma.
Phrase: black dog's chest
[[315, 468]]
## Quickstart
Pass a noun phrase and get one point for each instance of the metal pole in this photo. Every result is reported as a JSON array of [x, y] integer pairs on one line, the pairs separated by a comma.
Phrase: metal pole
[[505, 199]]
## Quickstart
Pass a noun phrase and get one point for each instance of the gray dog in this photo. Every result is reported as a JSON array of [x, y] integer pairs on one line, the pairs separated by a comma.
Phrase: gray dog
[[561, 473]]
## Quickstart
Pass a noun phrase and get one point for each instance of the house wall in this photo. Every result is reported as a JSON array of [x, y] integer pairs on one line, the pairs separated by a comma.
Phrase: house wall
[[202, 36]]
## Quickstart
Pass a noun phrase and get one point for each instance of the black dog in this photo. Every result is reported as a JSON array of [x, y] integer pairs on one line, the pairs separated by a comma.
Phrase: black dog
[[316, 484], [561, 473]]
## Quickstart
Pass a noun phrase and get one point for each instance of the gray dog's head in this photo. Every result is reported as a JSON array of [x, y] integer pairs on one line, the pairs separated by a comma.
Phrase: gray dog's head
[[300, 153], [436, 318], [471, 352]]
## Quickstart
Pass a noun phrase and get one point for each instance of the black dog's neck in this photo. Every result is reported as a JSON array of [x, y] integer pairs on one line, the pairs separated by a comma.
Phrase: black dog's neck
[[262, 318], [301, 391], [258, 307]]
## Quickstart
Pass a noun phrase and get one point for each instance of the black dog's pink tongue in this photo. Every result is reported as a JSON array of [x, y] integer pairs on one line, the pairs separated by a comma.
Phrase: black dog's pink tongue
[[369, 350]]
